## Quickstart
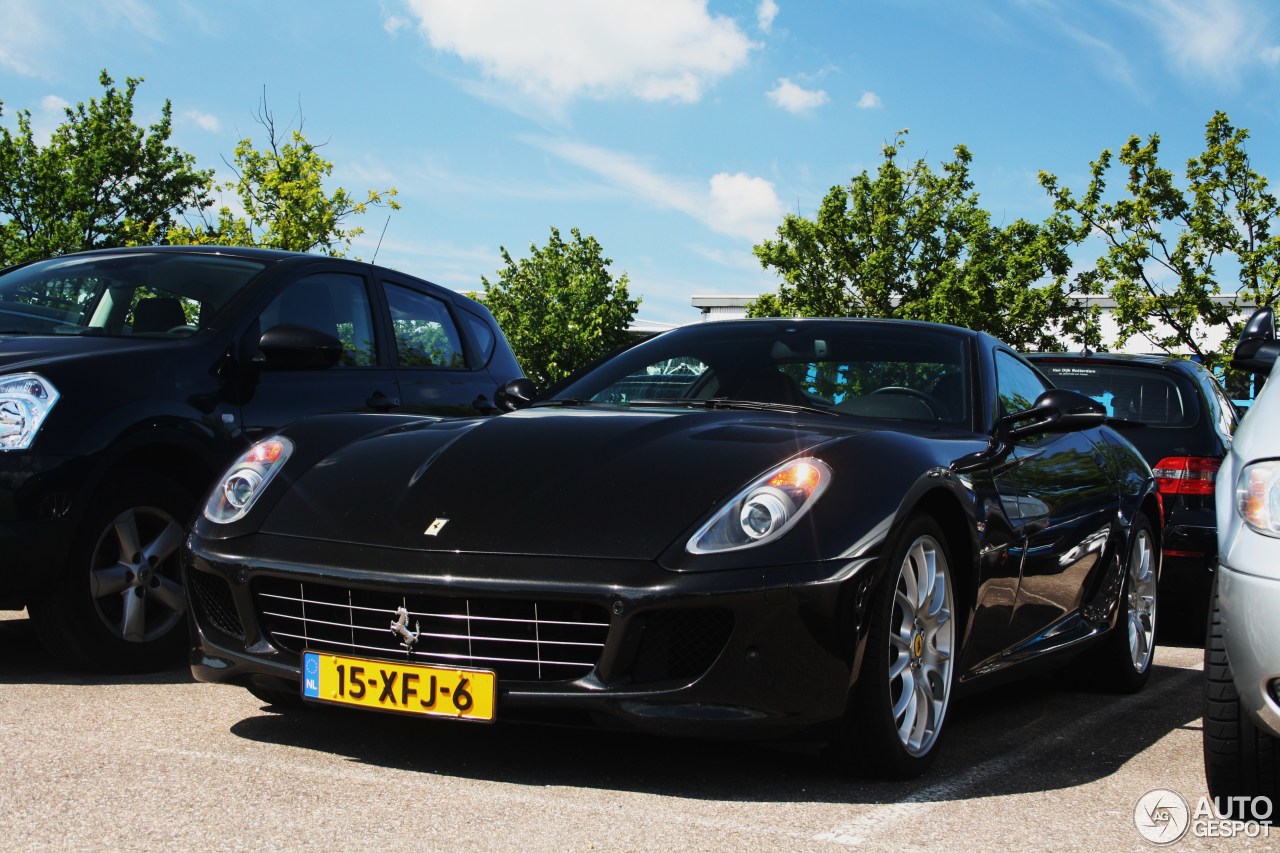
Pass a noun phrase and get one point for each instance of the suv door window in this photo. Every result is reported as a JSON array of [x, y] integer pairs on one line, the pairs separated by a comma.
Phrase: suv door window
[[425, 334], [334, 303]]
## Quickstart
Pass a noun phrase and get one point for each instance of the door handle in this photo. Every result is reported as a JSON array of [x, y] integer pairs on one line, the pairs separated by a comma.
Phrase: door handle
[[382, 402]]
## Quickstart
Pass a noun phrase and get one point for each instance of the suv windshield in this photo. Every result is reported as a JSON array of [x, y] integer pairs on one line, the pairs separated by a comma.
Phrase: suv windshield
[[1131, 393], [866, 369], [151, 294]]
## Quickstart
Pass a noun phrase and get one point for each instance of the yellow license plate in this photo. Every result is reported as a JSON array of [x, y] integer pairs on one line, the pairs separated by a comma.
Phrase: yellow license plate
[[408, 688]]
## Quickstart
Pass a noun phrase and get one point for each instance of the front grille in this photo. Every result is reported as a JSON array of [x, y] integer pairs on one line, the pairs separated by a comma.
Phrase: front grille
[[520, 640], [215, 606]]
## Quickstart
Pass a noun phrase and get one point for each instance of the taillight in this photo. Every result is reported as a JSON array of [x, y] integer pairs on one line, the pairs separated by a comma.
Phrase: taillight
[[1186, 475]]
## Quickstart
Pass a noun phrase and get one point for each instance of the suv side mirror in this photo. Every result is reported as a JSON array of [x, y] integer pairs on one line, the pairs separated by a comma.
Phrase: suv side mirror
[[1056, 410], [288, 347], [516, 394], [1257, 349]]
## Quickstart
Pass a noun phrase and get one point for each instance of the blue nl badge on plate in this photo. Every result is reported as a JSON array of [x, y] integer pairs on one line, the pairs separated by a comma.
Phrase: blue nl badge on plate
[[311, 674]]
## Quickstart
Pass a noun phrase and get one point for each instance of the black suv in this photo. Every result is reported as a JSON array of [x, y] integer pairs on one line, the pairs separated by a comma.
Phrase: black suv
[[129, 378], [1179, 418]]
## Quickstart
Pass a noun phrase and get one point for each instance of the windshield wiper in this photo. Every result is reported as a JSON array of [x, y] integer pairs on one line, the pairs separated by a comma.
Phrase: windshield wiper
[[562, 401], [1125, 422], [726, 403]]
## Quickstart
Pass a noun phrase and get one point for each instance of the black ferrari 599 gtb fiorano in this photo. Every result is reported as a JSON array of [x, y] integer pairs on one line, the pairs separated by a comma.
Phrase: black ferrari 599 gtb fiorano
[[759, 528]]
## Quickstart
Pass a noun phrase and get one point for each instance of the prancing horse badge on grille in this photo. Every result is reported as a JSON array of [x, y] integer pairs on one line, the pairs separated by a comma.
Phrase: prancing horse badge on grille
[[400, 627], [434, 528]]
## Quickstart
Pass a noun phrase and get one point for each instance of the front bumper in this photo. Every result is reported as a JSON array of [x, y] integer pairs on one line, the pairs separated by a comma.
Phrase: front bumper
[[746, 653], [41, 500], [1249, 607]]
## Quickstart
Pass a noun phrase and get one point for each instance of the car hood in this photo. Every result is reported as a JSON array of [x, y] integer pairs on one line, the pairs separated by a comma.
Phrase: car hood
[[21, 353], [568, 482]]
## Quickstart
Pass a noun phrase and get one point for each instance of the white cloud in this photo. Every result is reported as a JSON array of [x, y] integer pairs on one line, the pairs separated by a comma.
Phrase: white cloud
[[737, 205], [204, 121], [557, 50], [1210, 38], [869, 101], [795, 98], [23, 37], [744, 206], [766, 12]]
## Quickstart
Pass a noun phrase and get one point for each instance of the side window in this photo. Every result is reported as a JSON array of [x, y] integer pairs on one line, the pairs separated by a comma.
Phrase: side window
[[1017, 385], [334, 303], [424, 330], [482, 336]]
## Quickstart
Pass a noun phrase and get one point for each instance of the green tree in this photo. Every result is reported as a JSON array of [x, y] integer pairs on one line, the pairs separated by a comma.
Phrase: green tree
[[100, 180], [913, 243], [285, 206], [560, 308], [1165, 248]]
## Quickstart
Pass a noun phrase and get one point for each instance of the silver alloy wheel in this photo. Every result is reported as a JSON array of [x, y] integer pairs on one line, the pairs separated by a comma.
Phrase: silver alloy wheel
[[921, 638], [1140, 602], [134, 575]]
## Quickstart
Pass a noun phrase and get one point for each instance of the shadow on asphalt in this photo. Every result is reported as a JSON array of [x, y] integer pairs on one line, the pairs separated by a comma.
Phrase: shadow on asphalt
[[1042, 734], [23, 660], [1038, 735]]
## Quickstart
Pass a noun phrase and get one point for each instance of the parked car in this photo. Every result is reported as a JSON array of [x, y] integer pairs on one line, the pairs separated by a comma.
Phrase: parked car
[[1242, 648], [1181, 420], [820, 527], [130, 378]]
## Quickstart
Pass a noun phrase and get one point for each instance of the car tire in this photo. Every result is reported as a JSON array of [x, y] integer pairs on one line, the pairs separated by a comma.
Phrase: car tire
[[1240, 760], [1123, 661], [118, 605], [904, 688]]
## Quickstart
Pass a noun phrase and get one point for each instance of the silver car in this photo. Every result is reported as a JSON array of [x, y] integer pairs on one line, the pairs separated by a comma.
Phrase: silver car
[[1242, 648]]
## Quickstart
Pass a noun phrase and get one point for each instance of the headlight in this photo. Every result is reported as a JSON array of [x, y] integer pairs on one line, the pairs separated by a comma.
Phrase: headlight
[[25, 401], [766, 509], [246, 480], [1258, 496]]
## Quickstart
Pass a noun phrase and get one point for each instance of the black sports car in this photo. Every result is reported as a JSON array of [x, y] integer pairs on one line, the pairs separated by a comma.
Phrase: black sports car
[[749, 528]]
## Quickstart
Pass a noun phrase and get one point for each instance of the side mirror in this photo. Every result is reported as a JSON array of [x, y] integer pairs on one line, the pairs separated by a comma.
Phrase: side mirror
[[516, 394], [1257, 350], [288, 347], [1056, 410]]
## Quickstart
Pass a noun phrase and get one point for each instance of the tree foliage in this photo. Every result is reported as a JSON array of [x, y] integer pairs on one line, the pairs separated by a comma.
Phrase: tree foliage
[[560, 308], [281, 192], [913, 243], [100, 180], [1165, 249]]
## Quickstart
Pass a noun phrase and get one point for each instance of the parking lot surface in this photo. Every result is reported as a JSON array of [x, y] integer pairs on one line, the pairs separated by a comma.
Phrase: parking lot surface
[[161, 762]]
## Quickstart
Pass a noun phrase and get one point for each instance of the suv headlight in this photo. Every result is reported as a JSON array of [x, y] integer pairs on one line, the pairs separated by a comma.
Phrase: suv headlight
[[1258, 496], [246, 479], [25, 401]]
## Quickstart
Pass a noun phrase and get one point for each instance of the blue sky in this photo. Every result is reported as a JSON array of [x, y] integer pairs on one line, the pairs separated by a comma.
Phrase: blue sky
[[677, 132]]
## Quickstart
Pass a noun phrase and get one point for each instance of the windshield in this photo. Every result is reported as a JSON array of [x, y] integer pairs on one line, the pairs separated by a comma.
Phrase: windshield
[[869, 369], [1130, 392], [152, 294]]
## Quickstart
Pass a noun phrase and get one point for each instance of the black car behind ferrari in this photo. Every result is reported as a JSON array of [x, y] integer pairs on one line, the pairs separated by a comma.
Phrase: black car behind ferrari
[[129, 378], [818, 528], [1179, 418]]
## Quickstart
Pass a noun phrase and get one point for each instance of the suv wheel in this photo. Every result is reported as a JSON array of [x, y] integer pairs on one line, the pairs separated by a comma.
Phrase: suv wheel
[[119, 605]]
